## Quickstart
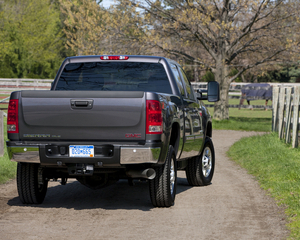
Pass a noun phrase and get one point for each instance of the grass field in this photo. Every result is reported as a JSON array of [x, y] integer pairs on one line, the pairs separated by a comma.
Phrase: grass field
[[236, 101], [246, 120]]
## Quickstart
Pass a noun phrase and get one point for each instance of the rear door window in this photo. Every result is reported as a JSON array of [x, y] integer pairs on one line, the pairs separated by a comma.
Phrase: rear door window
[[114, 76], [178, 79], [188, 87]]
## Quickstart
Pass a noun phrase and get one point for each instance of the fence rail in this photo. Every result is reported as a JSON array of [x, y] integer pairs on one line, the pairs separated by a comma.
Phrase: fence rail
[[13, 84], [235, 93], [238, 86]]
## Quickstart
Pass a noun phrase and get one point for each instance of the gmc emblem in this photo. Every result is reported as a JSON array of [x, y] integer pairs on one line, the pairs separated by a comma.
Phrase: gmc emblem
[[133, 135]]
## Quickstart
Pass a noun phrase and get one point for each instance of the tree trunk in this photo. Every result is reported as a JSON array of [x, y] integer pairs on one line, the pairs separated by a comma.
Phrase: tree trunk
[[243, 78], [196, 75], [221, 109]]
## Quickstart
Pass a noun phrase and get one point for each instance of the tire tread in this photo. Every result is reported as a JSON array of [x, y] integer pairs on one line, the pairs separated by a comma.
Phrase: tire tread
[[159, 187], [27, 184], [193, 170]]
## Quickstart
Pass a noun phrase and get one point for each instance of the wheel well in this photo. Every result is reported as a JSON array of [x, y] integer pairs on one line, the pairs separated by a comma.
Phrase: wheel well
[[175, 136], [209, 130]]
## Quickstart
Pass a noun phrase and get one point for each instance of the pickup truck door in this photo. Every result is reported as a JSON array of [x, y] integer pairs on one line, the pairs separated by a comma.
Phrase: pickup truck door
[[193, 130]]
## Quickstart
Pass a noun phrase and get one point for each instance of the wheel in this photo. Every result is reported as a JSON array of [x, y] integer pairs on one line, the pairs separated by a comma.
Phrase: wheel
[[163, 187], [32, 186], [200, 169]]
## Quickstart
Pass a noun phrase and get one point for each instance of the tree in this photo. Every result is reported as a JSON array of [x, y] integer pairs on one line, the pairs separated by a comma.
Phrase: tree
[[91, 29], [238, 34], [31, 39]]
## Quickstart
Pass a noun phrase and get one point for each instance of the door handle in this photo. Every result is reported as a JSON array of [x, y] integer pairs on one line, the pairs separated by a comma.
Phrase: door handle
[[82, 104]]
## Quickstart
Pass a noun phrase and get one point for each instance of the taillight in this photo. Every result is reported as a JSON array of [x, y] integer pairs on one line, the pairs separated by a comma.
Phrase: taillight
[[12, 116], [154, 121], [114, 57]]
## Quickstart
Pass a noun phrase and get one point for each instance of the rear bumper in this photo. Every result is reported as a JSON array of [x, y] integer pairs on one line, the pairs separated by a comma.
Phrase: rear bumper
[[24, 153], [133, 155], [106, 155]]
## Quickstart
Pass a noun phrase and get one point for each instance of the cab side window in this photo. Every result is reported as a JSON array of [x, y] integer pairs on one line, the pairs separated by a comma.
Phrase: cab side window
[[189, 89], [178, 79]]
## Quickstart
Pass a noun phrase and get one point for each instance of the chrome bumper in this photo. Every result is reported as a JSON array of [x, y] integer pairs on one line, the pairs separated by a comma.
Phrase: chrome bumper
[[27, 154], [131, 155], [128, 155]]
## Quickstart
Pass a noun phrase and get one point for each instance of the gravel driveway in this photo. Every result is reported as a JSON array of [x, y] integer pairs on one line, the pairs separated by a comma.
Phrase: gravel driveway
[[232, 207]]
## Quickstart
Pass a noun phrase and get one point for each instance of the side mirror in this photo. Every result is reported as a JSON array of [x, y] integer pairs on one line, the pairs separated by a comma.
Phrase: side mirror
[[213, 92]]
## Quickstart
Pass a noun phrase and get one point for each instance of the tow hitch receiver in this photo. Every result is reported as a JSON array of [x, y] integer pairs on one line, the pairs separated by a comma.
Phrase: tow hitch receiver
[[81, 169]]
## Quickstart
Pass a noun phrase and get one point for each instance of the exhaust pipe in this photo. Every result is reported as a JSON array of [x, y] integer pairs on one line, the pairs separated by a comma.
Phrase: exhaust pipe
[[148, 173]]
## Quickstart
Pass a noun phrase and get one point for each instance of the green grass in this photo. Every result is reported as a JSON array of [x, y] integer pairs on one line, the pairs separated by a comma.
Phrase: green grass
[[277, 168], [245, 120], [244, 124], [236, 101], [7, 168]]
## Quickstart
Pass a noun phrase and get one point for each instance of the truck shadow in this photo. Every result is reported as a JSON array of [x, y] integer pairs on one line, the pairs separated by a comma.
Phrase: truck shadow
[[117, 196]]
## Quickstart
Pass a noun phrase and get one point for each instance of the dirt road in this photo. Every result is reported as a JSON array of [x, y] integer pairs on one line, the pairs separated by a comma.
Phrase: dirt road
[[232, 207]]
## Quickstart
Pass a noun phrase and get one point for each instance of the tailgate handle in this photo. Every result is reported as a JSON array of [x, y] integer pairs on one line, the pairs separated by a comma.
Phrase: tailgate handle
[[82, 104]]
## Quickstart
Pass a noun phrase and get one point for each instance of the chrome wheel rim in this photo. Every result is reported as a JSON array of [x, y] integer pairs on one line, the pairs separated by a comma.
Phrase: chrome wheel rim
[[206, 162], [172, 176]]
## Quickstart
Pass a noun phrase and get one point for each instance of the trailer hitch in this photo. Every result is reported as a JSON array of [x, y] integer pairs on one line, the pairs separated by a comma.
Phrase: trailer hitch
[[81, 169]]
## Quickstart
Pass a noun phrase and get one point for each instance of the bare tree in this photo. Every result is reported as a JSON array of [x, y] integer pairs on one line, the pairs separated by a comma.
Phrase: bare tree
[[233, 33]]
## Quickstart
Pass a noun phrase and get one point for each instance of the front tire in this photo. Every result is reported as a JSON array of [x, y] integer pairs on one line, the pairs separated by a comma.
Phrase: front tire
[[32, 186], [163, 187], [200, 169]]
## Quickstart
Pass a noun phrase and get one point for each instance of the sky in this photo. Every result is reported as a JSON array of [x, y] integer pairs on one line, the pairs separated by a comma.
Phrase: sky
[[107, 3]]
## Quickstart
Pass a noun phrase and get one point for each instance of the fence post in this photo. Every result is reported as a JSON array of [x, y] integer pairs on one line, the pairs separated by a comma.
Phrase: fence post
[[288, 112], [1, 135], [296, 116], [281, 111], [275, 109]]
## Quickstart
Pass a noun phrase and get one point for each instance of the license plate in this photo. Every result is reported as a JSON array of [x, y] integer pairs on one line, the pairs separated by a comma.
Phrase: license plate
[[81, 151]]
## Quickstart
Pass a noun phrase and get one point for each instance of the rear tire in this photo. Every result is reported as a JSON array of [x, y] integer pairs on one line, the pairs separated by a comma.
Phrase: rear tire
[[163, 187], [200, 169], [32, 186]]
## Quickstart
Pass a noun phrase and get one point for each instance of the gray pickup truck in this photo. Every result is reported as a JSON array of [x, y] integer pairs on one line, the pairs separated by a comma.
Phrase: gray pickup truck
[[108, 118]]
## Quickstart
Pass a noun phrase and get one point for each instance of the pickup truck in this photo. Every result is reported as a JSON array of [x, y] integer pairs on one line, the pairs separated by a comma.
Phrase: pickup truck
[[108, 118]]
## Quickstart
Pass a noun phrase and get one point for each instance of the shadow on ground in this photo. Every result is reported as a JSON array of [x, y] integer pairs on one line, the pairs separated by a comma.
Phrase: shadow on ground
[[117, 196]]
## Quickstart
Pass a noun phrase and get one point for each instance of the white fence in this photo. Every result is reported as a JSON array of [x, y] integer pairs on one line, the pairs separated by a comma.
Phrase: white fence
[[286, 113], [14, 84], [235, 92], [8, 85], [238, 86]]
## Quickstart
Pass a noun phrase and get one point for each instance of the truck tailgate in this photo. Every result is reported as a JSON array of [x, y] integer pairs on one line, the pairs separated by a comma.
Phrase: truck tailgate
[[82, 115]]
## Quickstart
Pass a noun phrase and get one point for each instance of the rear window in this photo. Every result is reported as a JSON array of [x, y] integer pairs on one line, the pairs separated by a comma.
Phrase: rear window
[[114, 76]]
